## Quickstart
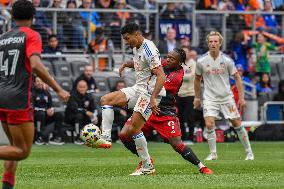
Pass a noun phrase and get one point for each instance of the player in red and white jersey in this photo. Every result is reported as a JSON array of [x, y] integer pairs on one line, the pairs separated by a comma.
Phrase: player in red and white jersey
[[20, 50], [166, 122]]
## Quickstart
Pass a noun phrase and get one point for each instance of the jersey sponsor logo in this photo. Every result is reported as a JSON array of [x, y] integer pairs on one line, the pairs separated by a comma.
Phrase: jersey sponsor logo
[[215, 71], [12, 40]]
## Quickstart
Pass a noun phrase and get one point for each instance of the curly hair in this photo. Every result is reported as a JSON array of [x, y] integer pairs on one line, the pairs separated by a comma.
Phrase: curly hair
[[23, 10], [130, 28], [181, 53]]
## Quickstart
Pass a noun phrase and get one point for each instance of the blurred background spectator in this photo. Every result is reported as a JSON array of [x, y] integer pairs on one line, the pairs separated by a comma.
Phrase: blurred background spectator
[[186, 96], [87, 76], [74, 27], [169, 43], [46, 120], [262, 49], [80, 109], [102, 45], [264, 85]]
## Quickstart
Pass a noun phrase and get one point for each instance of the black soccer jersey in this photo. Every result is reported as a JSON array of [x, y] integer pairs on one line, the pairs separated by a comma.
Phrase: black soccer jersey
[[16, 46]]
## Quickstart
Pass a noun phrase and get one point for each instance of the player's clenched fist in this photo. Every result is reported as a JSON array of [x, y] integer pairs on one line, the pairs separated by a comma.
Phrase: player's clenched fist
[[63, 95]]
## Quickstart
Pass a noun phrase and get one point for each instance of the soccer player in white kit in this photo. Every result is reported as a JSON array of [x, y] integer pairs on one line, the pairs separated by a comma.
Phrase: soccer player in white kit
[[144, 96], [215, 68]]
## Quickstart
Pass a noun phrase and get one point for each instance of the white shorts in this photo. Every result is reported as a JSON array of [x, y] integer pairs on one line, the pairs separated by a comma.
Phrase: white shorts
[[213, 109], [139, 102]]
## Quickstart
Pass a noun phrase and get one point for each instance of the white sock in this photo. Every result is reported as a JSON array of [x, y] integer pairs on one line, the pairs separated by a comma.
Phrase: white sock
[[211, 138], [107, 121], [200, 165], [243, 136], [141, 147]]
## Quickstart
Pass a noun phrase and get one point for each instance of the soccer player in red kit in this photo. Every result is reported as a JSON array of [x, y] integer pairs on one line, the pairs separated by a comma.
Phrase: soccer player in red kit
[[166, 123], [20, 51]]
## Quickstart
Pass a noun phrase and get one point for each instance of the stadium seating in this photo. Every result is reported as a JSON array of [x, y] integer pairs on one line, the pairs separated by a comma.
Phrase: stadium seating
[[112, 81], [62, 69], [102, 84], [275, 112], [48, 66], [78, 67], [65, 82]]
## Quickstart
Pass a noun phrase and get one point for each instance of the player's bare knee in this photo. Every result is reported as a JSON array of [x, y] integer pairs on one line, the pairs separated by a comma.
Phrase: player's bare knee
[[22, 154], [210, 124], [236, 122]]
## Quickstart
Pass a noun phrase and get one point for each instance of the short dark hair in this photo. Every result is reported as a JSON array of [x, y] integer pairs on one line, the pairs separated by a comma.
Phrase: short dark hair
[[23, 10], [130, 28], [181, 53], [52, 36]]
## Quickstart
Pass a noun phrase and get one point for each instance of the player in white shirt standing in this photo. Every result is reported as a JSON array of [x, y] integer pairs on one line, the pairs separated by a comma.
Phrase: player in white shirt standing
[[144, 96], [215, 68]]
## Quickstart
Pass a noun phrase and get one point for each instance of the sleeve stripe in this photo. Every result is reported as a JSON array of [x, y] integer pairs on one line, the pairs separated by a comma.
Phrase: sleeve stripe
[[147, 50]]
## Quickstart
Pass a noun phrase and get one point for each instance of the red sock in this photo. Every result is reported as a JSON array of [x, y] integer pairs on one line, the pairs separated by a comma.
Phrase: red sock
[[180, 148], [9, 178]]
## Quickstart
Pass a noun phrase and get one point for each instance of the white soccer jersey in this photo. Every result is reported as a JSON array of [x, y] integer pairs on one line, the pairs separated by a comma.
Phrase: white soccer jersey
[[145, 59], [216, 75]]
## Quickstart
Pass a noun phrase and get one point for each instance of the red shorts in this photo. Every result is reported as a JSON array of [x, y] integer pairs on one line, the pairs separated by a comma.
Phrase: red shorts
[[166, 126], [17, 117]]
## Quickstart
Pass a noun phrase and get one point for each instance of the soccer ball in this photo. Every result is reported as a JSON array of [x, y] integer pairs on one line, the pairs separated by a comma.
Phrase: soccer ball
[[90, 134]]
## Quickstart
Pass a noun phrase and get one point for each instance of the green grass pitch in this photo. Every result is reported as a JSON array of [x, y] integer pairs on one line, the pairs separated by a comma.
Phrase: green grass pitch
[[79, 167]]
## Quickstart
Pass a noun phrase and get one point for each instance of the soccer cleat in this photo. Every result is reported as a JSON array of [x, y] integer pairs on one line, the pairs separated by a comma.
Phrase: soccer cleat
[[140, 165], [56, 141], [206, 171], [78, 142], [250, 156], [102, 143], [39, 141], [211, 156], [147, 169]]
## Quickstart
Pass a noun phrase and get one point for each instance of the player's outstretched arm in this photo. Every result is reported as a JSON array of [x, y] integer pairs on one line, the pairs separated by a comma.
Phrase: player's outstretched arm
[[44, 75], [239, 84], [128, 64], [197, 91], [161, 78]]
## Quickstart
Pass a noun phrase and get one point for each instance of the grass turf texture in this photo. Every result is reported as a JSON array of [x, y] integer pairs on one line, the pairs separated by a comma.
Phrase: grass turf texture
[[71, 167]]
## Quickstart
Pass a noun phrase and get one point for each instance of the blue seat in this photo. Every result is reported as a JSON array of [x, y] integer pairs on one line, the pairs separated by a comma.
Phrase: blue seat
[[275, 112]]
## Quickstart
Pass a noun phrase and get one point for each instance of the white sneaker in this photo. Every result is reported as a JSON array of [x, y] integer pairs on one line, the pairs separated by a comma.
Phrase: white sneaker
[[102, 143], [144, 170], [250, 156], [212, 156]]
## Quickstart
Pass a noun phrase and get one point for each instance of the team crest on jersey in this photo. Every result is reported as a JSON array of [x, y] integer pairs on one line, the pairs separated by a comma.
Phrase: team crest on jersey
[[222, 64], [87, 103], [188, 70]]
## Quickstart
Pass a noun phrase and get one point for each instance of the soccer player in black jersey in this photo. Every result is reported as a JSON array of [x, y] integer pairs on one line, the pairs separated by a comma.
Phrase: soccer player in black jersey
[[20, 50]]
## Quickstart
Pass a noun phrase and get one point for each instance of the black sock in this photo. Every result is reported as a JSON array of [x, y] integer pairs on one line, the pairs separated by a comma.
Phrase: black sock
[[130, 145], [187, 154], [6, 185]]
